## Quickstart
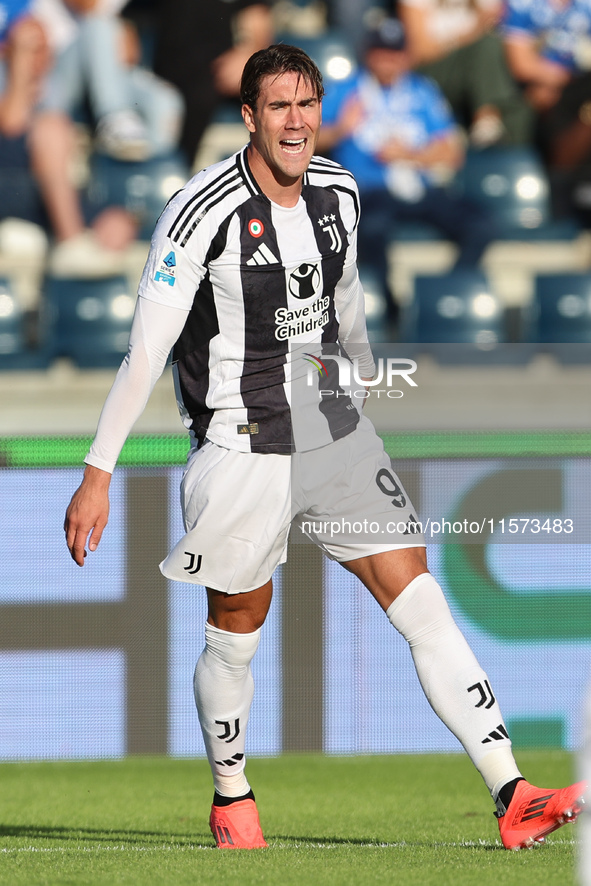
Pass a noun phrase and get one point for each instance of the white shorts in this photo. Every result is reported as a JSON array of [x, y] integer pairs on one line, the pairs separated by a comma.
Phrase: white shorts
[[239, 507]]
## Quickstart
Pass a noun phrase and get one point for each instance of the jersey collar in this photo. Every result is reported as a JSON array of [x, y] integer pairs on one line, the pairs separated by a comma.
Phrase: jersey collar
[[244, 169], [249, 179]]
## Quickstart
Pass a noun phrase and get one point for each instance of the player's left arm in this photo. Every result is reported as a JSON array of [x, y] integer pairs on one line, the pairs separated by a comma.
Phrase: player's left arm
[[349, 297], [350, 305]]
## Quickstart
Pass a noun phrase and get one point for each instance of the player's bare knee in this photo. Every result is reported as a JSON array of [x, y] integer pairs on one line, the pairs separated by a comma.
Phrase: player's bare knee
[[239, 613], [386, 574]]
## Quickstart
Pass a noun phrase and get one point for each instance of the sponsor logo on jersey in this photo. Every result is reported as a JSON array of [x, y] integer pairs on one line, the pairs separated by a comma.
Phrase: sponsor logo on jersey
[[262, 256], [165, 274], [304, 282], [256, 228], [305, 319], [161, 277], [252, 428]]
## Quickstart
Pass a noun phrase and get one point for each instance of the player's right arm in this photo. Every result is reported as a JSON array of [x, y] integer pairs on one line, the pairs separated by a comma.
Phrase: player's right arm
[[154, 331], [167, 289]]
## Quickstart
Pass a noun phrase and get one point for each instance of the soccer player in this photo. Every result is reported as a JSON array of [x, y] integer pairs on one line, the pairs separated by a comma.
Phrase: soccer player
[[252, 269], [584, 859]]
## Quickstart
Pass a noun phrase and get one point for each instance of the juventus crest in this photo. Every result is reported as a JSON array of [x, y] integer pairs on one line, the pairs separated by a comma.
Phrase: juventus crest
[[329, 226]]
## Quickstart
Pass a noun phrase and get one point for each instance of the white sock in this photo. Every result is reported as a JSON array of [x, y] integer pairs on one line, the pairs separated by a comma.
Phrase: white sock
[[224, 689], [456, 687]]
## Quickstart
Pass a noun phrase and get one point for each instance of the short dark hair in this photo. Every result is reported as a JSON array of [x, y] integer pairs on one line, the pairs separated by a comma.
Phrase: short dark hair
[[281, 58]]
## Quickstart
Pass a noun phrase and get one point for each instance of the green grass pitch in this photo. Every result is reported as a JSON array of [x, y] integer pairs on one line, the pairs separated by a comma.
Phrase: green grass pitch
[[329, 820]]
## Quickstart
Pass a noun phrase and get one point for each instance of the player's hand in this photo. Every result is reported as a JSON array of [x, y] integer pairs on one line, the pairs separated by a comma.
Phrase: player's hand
[[87, 513]]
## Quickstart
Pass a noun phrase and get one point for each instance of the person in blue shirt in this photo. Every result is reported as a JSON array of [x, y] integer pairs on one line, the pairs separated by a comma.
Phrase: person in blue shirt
[[547, 44], [393, 129], [548, 48], [10, 12]]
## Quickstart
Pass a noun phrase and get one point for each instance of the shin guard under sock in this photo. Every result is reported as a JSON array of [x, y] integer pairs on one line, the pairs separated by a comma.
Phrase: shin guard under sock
[[224, 690], [456, 687]]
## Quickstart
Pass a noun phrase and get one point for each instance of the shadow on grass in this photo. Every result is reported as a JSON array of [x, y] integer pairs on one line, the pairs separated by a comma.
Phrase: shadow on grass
[[102, 835], [136, 837]]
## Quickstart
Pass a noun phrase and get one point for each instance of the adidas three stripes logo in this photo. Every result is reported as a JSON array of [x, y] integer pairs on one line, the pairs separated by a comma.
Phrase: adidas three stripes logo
[[223, 835], [497, 734], [535, 808], [263, 256]]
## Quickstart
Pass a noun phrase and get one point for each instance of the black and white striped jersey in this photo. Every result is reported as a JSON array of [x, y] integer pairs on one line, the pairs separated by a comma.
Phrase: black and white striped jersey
[[265, 286]]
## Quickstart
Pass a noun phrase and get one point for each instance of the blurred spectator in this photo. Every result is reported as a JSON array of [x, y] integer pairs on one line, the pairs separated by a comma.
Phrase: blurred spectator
[[201, 47], [394, 131], [456, 44], [79, 250], [548, 46], [24, 60], [97, 56], [39, 89]]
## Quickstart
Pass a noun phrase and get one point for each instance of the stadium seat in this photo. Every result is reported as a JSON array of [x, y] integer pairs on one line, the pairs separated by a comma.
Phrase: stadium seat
[[142, 188], [331, 51], [559, 316], [90, 319], [228, 112], [223, 137], [512, 185], [17, 350], [457, 318], [416, 232]]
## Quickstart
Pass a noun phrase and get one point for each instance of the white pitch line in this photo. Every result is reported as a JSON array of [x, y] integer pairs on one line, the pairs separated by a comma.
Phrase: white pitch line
[[403, 844], [167, 848]]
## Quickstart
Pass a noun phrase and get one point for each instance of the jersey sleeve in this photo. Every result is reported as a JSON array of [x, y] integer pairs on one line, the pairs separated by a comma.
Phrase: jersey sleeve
[[350, 208], [350, 305], [176, 265], [154, 331], [349, 296]]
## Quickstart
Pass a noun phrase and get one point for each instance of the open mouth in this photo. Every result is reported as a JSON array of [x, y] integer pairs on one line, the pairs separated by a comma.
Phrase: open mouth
[[293, 145]]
